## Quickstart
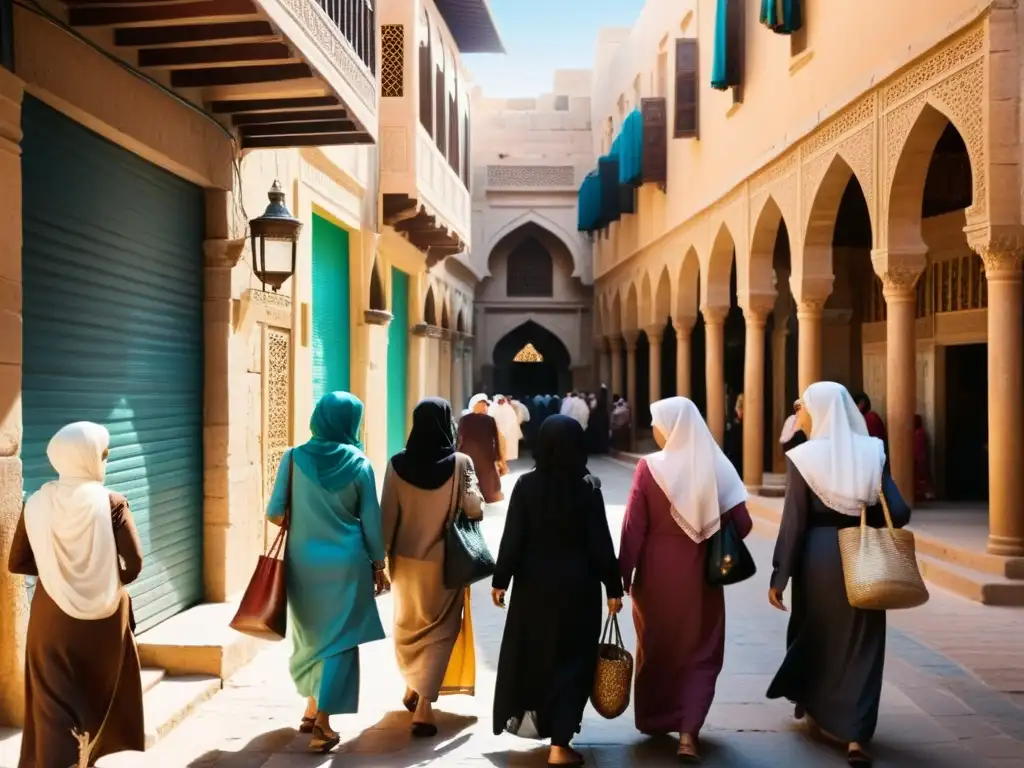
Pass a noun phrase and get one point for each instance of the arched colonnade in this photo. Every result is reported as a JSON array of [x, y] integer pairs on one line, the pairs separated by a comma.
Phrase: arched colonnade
[[834, 242]]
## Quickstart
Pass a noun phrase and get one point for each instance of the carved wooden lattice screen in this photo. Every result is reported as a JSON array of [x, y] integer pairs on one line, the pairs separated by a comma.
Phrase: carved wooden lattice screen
[[276, 431], [392, 61]]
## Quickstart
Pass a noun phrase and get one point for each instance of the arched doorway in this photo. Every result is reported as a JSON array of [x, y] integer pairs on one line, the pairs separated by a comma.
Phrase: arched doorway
[[530, 360]]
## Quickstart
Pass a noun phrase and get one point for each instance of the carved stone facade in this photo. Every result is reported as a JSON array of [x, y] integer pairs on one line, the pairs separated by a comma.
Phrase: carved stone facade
[[530, 176]]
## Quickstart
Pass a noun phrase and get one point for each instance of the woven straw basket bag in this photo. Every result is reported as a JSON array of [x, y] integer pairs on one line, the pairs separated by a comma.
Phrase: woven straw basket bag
[[614, 678], [880, 565]]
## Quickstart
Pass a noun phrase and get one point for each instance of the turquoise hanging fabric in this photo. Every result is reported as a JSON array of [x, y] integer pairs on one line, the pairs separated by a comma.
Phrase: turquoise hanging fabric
[[784, 17], [588, 207], [629, 146], [722, 75], [608, 171]]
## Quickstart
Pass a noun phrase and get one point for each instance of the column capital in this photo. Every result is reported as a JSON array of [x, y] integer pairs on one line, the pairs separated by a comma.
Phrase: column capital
[[222, 252], [654, 334], [757, 307], [811, 288], [683, 327], [1003, 259], [714, 315], [631, 337], [899, 269], [809, 309]]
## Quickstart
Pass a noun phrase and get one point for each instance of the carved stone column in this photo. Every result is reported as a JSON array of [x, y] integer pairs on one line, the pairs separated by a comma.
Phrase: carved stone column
[[375, 418], [654, 361], [444, 366], [615, 348], [808, 316], [601, 361], [756, 316], [458, 359], [714, 335], [899, 273], [14, 604], [684, 363], [1003, 270], [631, 339]]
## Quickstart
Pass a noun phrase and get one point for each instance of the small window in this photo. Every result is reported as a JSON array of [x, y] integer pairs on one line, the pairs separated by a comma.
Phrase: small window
[[530, 271], [561, 103], [426, 74]]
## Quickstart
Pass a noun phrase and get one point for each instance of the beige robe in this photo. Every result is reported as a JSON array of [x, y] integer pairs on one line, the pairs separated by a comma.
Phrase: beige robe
[[433, 632]]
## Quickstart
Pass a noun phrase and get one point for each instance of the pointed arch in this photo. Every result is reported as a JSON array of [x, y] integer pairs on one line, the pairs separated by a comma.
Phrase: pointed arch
[[687, 301], [715, 291], [907, 191], [615, 315], [662, 306], [445, 314], [378, 297], [758, 277], [571, 240], [631, 310], [815, 259], [460, 321], [646, 305], [430, 307]]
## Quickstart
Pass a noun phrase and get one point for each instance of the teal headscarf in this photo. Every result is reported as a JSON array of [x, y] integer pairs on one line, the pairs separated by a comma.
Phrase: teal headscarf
[[334, 456]]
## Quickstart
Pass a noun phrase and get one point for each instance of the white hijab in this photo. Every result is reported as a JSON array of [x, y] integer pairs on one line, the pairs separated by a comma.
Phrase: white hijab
[[840, 462], [478, 398], [699, 481], [504, 414], [69, 528]]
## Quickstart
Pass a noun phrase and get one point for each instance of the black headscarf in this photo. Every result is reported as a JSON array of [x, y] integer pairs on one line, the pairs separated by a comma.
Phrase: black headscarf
[[561, 470], [428, 460]]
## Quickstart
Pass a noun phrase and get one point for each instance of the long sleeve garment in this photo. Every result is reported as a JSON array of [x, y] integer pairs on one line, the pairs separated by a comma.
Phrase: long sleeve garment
[[556, 568], [835, 653], [679, 617], [333, 537]]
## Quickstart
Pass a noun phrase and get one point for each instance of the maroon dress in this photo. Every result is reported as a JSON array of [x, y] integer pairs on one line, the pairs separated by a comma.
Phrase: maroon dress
[[478, 439], [679, 618]]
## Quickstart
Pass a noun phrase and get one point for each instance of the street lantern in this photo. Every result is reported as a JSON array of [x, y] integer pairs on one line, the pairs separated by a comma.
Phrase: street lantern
[[275, 238]]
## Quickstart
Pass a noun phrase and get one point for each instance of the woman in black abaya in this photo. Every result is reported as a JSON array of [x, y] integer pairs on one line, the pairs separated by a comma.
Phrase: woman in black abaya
[[558, 550]]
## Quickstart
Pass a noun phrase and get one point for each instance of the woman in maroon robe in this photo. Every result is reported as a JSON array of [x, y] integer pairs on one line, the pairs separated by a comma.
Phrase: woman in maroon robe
[[479, 439], [680, 497]]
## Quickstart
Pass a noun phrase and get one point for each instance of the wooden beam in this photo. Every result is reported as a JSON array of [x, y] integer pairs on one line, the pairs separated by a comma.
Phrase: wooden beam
[[238, 31], [298, 129], [204, 78], [294, 116], [110, 16], [235, 106], [399, 208], [215, 54], [421, 221], [315, 140]]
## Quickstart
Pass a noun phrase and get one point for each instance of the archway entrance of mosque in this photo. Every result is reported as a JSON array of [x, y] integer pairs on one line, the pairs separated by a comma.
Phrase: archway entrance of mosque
[[530, 360]]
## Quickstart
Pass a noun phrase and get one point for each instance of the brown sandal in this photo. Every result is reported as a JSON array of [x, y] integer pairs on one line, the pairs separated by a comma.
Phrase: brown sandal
[[322, 741], [411, 701], [307, 724], [687, 752]]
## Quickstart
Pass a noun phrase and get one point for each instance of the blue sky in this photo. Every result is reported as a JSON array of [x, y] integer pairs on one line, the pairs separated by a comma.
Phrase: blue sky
[[541, 36]]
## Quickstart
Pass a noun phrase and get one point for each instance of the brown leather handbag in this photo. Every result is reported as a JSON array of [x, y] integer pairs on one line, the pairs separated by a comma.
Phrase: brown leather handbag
[[263, 612]]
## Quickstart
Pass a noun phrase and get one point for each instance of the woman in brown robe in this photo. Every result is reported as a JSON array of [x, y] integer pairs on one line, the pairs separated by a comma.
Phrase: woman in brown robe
[[479, 439], [433, 626], [82, 672]]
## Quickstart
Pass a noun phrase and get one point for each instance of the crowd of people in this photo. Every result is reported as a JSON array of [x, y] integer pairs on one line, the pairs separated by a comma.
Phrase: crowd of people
[[345, 547]]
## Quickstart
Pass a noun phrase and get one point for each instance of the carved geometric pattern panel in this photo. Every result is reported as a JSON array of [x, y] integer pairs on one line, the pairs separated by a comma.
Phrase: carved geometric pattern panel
[[392, 60], [512, 176], [276, 402]]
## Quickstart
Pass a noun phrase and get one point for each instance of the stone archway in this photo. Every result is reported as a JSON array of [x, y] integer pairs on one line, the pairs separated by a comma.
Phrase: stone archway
[[531, 360]]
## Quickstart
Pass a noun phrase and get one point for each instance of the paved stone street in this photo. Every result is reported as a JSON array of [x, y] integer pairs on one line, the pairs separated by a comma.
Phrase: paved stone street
[[935, 713]]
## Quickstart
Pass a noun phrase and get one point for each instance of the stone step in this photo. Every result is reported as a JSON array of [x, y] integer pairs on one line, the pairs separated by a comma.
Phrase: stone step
[[979, 586], [953, 553], [151, 678], [198, 642], [172, 700]]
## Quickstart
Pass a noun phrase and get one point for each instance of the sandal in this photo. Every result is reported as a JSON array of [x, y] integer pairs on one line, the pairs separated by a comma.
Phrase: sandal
[[687, 752], [858, 758], [424, 730], [411, 701], [307, 724], [577, 761], [799, 712], [323, 741]]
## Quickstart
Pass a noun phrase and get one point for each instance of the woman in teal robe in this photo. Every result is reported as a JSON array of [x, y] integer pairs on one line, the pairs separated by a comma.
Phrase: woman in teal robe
[[334, 560]]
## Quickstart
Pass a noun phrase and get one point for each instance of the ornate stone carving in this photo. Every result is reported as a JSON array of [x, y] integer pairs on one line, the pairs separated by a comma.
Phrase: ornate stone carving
[[849, 119], [392, 61], [714, 315], [276, 402], [896, 127], [264, 307], [900, 281], [810, 308], [950, 57], [858, 152], [377, 317], [323, 32], [782, 167], [757, 307], [963, 97], [520, 176], [1003, 259]]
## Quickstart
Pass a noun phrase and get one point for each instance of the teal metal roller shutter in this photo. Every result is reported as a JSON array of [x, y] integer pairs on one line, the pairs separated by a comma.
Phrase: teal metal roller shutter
[[332, 347], [398, 363], [112, 272]]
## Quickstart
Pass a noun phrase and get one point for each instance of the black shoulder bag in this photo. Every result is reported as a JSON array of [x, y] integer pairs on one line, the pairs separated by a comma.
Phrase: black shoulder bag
[[467, 559]]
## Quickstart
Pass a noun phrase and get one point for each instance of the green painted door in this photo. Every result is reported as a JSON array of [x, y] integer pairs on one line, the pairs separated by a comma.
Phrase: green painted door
[[113, 333], [332, 324], [398, 362]]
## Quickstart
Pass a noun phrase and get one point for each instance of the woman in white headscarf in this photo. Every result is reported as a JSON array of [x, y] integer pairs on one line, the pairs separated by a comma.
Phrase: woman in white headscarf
[[81, 664], [507, 419], [836, 654], [680, 497]]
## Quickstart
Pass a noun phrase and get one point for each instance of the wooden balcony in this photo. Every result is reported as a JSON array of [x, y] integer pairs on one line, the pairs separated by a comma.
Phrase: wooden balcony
[[283, 73]]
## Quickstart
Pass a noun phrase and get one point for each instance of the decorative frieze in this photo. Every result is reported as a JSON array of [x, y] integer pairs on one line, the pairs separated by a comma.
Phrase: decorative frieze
[[530, 176], [946, 59]]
